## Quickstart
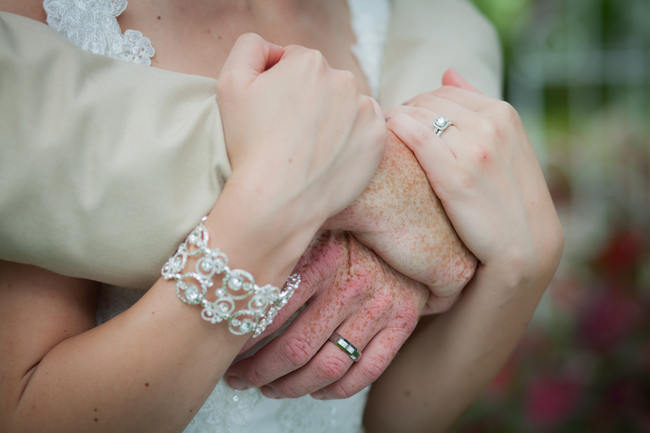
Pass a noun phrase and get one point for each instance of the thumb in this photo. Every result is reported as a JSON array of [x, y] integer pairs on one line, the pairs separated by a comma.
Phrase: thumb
[[452, 78], [249, 57]]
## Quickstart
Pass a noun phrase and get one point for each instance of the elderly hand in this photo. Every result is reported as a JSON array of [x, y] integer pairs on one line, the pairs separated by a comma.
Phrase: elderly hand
[[399, 217], [357, 296]]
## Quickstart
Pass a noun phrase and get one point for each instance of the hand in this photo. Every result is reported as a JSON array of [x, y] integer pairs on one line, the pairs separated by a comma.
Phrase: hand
[[486, 175], [399, 217], [357, 296], [303, 141]]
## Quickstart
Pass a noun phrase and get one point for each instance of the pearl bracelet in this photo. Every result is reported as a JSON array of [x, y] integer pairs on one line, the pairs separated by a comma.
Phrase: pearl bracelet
[[236, 285]]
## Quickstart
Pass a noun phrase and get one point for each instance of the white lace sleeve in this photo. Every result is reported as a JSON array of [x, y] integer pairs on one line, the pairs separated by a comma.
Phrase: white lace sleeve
[[92, 25]]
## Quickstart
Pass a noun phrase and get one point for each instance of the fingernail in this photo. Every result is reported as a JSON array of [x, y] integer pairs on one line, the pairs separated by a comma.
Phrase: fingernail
[[269, 391], [387, 119], [237, 382], [318, 395]]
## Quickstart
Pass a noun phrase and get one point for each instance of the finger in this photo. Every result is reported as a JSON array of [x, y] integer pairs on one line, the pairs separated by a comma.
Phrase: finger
[[427, 117], [331, 363], [250, 56], [301, 51], [313, 276], [459, 135], [307, 334], [441, 304], [467, 98], [451, 77], [435, 157], [374, 361], [428, 107], [293, 349]]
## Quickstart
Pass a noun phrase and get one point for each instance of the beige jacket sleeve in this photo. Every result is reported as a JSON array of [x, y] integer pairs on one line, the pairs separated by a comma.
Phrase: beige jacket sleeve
[[105, 166], [426, 37]]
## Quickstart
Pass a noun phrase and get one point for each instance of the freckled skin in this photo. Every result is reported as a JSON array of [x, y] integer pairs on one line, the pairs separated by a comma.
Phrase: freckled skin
[[350, 284], [400, 219]]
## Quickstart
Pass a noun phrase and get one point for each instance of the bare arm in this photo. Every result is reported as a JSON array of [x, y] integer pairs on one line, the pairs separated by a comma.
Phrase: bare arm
[[487, 176], [451, 358], [147, 370], [150, 368]]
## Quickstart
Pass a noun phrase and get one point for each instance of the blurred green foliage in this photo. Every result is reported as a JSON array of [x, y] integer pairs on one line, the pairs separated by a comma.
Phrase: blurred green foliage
[[579, 73]]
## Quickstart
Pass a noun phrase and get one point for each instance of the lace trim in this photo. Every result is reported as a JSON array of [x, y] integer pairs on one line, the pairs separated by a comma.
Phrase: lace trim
[[92, 25]]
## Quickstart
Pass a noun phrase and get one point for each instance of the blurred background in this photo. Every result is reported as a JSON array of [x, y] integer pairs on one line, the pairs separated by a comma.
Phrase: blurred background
[[578, 71]]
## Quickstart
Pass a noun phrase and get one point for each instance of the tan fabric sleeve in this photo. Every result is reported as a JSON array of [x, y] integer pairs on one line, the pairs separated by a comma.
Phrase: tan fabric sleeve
[[81, 133], [426, 37]]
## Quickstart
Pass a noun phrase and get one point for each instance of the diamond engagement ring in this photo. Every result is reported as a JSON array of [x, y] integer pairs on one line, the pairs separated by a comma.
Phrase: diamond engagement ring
[[440, 125], [346, 346]]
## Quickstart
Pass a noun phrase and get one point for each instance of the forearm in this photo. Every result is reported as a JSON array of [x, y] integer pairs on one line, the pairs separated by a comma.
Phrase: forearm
[[450, 359], [148, 369]]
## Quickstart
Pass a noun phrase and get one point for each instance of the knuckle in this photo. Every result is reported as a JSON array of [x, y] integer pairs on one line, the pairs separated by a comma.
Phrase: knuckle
[[380, 307], [290, 389], [345, 82], [441, 304], [347, 77], [332, 368], [340, 391], [314, 56], [450, 289], [249, 37], [253, 376], [357, 287], [371, 369], [405, 321], [296, 351], [408, 319], [506, 112]]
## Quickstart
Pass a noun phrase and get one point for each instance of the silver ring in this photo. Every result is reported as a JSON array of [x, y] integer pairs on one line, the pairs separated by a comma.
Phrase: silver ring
[[440, 125], [346, 346]]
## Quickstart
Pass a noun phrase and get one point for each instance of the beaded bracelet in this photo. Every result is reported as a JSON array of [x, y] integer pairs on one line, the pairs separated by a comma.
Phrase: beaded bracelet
[[236, 285]]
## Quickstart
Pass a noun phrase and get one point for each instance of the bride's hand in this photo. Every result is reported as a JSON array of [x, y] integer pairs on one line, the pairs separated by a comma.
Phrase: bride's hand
[[303, 142], [487, 176]]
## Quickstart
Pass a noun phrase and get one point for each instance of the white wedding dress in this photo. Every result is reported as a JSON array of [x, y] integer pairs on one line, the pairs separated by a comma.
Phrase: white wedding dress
[[92, 25]]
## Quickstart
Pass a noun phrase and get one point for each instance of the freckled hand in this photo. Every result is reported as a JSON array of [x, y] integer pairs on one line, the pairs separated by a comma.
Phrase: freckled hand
[[401, 220]]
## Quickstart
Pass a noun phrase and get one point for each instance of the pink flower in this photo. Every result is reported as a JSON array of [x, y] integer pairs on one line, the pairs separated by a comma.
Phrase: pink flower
[[551, 400], [611, 316], [622, 253]]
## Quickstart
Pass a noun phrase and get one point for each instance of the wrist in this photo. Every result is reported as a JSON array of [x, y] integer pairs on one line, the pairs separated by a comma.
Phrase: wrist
[[255, 238], [515, 272]]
